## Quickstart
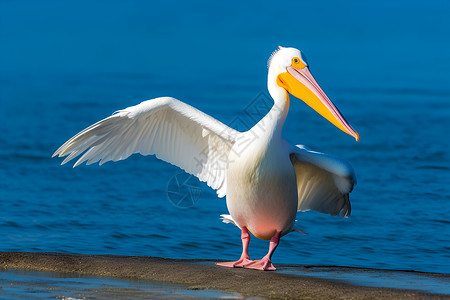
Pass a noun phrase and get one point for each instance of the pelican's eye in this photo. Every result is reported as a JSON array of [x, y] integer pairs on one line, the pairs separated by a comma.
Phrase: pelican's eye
[[298, 63]]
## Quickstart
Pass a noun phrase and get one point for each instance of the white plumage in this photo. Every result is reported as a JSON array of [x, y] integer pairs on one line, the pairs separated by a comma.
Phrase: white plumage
[[266, 181], [323, 182], [172, 130]]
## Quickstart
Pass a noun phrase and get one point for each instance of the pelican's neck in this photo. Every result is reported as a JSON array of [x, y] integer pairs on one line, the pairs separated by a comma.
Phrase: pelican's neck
[[274, 120]]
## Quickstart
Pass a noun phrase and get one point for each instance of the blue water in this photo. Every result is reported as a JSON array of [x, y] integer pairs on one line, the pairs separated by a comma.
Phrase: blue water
[[64, 66], [376, 278], [50, 285]]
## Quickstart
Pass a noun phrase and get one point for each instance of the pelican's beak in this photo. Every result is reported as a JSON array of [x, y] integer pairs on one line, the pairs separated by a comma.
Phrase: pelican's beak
[[301, 84]]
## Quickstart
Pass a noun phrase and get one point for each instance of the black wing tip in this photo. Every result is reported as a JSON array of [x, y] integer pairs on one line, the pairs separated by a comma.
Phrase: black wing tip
[[347, 207]]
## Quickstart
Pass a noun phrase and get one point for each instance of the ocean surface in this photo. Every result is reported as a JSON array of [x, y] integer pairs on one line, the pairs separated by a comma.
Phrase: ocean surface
[[386, 66], [20, 284]]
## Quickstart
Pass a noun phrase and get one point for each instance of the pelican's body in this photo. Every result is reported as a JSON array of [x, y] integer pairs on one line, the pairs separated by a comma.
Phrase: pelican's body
[[255, 180], [266, 180]]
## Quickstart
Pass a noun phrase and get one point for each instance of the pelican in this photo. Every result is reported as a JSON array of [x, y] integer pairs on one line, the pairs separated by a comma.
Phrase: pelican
[[264, 178]]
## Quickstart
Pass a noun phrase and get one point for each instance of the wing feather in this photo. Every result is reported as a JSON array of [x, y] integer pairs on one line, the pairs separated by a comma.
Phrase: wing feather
[[323, 182], [170, 129]]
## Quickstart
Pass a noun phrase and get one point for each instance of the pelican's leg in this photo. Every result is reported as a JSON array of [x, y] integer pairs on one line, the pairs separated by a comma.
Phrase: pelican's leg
[[265, 263], [245, 259]]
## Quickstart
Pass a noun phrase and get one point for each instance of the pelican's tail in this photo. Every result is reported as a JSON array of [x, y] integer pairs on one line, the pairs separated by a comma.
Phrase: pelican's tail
[[228, 219], [299, 231], [294, 229]]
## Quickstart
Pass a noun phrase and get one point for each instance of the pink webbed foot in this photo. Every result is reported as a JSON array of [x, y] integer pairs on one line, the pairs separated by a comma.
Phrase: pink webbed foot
[[263, 264], [241, 263], [245, 259]]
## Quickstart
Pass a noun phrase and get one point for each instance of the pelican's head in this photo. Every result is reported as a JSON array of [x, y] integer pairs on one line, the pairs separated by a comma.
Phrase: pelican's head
[[289, 68]]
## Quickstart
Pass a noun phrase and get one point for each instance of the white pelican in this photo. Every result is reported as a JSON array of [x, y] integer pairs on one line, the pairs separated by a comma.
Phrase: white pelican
[[266, 180]]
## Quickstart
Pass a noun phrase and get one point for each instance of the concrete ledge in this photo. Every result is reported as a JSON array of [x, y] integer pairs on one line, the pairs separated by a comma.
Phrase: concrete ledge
[[203, 274]]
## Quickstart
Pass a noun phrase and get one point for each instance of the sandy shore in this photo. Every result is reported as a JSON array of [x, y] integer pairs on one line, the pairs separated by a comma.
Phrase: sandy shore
[[203, 274]]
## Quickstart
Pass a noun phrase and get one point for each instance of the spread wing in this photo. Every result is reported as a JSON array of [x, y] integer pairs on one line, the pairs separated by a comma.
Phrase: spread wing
[[172, 130], [323, 181]]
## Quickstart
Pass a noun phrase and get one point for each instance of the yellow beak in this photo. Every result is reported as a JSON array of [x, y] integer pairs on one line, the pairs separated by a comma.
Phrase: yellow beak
[[301, 84]]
